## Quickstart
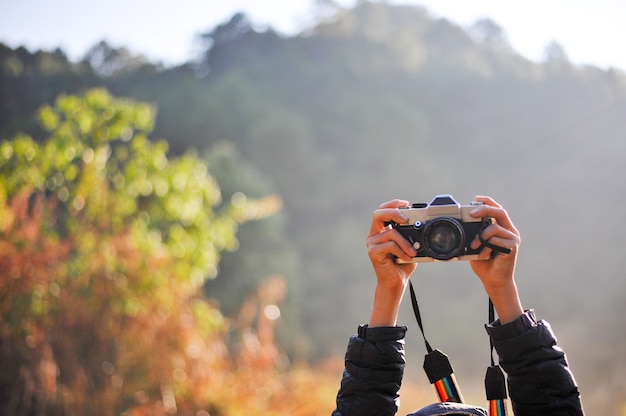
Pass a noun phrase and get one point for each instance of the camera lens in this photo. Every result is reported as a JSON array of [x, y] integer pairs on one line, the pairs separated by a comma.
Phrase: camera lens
[[443, 238]]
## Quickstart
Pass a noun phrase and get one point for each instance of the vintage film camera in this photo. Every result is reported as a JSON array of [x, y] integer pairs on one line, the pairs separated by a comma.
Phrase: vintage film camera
[[441, 230]]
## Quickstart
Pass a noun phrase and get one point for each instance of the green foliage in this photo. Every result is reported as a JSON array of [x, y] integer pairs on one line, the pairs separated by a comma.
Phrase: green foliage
[[107, 239], [375, 103]]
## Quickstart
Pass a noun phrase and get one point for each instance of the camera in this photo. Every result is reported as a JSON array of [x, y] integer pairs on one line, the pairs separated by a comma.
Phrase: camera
[[441, 230]]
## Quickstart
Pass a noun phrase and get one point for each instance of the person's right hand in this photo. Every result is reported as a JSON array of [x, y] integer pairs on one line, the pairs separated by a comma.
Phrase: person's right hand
[[384, 244]]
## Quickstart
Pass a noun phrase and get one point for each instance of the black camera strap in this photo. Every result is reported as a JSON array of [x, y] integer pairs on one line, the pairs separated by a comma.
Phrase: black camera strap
[[436, 364], [496, 249], [441, 375], [495, 383], [418, 316]]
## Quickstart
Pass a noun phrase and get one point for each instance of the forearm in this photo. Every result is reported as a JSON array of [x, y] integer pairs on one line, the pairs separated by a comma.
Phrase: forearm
[[386, 305], [506, 301]]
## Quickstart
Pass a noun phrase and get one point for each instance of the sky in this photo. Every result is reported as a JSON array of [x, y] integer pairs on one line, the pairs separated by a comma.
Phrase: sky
[[591, 32]]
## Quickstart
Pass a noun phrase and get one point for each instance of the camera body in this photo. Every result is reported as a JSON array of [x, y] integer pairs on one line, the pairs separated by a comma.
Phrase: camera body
[[441, 230]]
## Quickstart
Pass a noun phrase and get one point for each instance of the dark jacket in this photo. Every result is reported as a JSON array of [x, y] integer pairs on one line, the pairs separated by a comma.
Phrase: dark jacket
[[539, 379]]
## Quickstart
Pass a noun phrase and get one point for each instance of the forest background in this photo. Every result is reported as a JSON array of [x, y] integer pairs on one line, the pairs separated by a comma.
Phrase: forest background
[[303, 137]]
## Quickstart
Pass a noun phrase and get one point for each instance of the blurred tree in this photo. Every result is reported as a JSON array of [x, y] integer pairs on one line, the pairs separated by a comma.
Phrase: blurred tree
[[384, 101], [105, 245], [325, 10], [106, 60], [27, 80], [555, 52], [266, 248], [556, 59], [236, 44], [490, 33]]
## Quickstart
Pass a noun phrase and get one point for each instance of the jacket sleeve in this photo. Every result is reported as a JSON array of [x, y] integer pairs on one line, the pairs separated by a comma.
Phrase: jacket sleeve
[[374, 366], [539, 379]]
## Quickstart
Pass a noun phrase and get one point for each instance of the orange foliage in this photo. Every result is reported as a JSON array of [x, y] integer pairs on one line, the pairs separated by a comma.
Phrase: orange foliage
[[88, 354], [26, 254], [104, 247], [248, 375]]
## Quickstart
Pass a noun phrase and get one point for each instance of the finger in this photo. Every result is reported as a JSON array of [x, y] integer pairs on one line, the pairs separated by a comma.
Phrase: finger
[[494, 247], [487, 200], [497, 236], [388, 213], [381, 240], [495, 212], [495, 230], [485, 253], [394, 203], [386, 250], [498, 230], [499, 246]]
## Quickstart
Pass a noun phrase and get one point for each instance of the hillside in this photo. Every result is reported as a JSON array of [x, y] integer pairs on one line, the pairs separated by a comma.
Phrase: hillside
[[386, 102]]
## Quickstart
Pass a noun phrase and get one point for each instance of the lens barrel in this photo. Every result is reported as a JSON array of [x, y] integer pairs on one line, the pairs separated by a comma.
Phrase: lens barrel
[[444, 238]]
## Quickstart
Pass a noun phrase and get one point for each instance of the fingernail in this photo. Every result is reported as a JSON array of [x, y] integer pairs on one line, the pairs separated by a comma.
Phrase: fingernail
[[474, 211]]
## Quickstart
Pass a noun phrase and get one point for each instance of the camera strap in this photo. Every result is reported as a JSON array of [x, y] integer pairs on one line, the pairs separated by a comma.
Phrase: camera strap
[[495, 383], [441, 375], [436, 364], [496, 249]]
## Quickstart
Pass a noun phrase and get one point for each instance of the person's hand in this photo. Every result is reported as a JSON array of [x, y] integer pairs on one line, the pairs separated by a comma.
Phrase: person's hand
[[497, 270], [384, 244]]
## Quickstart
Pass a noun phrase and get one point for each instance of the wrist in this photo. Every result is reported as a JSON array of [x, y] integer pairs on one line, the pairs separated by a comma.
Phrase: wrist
[[506, 301], [386, 305]]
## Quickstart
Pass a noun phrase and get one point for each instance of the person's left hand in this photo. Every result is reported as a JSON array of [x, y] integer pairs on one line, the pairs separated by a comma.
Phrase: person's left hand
[[497, 270]]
